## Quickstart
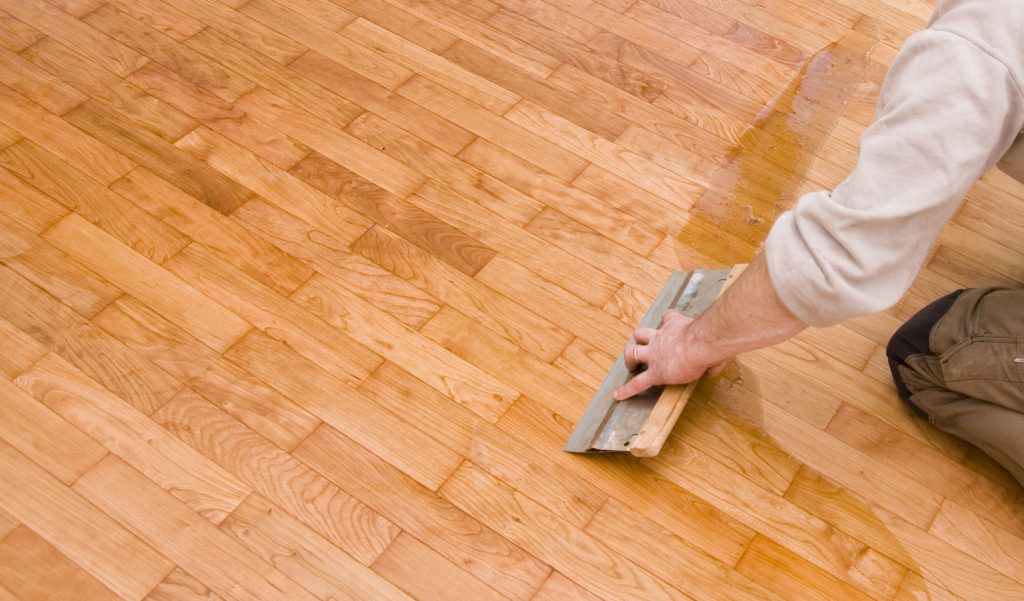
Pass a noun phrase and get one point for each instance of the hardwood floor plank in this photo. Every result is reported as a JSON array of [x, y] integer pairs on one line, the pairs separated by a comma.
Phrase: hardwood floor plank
[[416, 225], [934, 559], [195, 481], [28, 164], [34, 570], [585, 363], [427, 574], [447, 373], [489, 126], [411, 116], [487, 307], [26, 205], [160, 16], [101, 356], [45, 437], [335, 144], [276, 478], [633, 483], [304, 556], [329, 43], [578, 55], [630, 231], [576, 315], [472, 30], [259, 259], [162, 158], [248, 31], [171, 297], [632, 534], [503, 360], [250, 401], [82, 532], [219, 561], [330, 257], [34, 83], [517, 244], [468, 435], [440, 166], [467, 82], [276, 185], [281, 318], [559, 588], [927, 465], [626, 164], [298, 90], [152, 336], [423, 514], [109, 88], [16, 35], [7, 524], [970, 531], [61, 26], [319, 393], [569, 550], [54, 271], [219, 115], [179, 585], [401, 23], [594, 247], [164, 50], [791, 576], [57, 136], [22, 350]]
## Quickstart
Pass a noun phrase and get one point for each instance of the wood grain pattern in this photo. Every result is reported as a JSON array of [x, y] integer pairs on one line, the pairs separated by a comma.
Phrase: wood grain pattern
[[276, 476], [99, 355], [236, 574], [302, 555], [107, 87], [300, 299], [81, 531], [179, 585], [132, 436], [32, 166], [422, 513]]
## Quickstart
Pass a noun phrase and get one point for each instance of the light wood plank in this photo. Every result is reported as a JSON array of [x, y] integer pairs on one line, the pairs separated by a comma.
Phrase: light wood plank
[[304, 556], [168, 295], [99, 355], [219, 561], [30, 165], [423, 514], [450, 375], [45, 437], [34, 570], [127, 433], [84, 533], [277, 477], [584, 559], [428, 575]]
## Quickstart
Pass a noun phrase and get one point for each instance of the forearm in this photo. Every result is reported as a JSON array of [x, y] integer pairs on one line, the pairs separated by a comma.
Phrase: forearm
[[749, 315]]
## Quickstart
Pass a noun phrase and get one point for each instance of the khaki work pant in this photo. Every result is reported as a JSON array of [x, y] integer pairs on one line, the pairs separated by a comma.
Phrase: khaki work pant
[[960, 363]]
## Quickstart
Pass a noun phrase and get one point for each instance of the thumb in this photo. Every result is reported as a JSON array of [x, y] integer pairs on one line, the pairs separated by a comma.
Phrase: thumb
[[638, 384]]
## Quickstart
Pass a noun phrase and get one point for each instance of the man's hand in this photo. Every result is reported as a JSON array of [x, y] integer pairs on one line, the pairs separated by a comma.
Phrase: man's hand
[[666, 353], [749, 315]]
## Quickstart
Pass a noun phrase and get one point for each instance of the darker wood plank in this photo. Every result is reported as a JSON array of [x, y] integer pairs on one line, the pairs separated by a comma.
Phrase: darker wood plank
[[169, 162], [420, 227]]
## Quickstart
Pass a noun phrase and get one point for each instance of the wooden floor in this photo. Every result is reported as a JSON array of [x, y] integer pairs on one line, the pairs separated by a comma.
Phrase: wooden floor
[[300, 299]]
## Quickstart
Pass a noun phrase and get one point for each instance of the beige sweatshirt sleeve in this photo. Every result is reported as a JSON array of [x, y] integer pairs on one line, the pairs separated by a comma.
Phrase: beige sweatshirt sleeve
[[949, 109]]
